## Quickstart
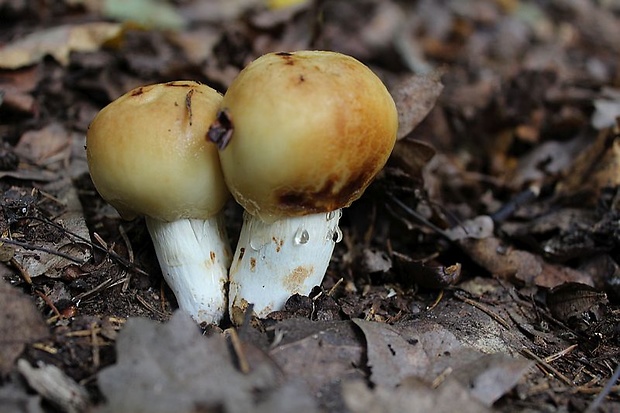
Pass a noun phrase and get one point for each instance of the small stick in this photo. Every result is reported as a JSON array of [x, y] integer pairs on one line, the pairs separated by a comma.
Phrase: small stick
[[547, 367], [485, 310], [49, 303], [95, 343], [560, 354], [244, 366], [112, 254], [130, 255], [606, 390], [149, 306], [436, 302], [335, 286], [42, 249], [23, 272]]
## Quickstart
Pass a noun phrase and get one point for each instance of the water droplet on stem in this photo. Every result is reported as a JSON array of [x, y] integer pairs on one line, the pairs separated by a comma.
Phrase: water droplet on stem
[[301, 236]]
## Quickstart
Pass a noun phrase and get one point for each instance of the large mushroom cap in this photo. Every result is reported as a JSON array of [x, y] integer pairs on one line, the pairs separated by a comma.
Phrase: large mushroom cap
[[148, 155], [311, 129]]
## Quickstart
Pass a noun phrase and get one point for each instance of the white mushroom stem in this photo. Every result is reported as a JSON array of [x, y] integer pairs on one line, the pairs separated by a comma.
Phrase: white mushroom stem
[[194, 256], [275, 260]]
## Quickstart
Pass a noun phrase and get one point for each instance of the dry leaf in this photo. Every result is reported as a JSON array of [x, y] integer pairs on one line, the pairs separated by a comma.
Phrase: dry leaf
[[512, 263], [54, 385], [321, 353], [20, 324], [171, 367], [412, 396], [58, 42], [492, 376], [426, 350], [415, 96], [597, 167]]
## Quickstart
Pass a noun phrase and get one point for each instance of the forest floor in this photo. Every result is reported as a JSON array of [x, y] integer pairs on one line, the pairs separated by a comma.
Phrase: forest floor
[[478, 273]]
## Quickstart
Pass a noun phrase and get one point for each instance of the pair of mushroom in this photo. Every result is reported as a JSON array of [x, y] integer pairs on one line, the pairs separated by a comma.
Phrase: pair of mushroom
[[296, 137]]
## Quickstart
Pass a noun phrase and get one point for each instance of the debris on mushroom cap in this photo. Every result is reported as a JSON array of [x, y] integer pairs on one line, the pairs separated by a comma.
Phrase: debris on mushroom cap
[[148, 155], [310, 130]]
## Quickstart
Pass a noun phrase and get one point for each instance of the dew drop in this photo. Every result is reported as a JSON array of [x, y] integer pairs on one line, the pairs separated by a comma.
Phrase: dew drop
[[255, 243], [330, 215], [259, 235], [301, 236], [337, 235]]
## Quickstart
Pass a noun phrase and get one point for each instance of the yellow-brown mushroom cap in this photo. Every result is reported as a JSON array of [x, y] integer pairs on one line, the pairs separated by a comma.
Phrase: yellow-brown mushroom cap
[[148, 155], [311, 129]]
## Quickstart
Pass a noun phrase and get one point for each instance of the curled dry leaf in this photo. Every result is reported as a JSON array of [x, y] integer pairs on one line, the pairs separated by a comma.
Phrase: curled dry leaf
[[573, 300]]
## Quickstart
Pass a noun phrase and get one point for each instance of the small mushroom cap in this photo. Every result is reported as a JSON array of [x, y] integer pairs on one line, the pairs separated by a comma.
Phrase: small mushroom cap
[[310, 130], [148, 153]]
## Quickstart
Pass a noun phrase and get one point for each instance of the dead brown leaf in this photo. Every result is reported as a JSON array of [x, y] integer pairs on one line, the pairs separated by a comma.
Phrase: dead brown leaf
[[321, 353], [16, 86], [510, 263], [415, 96], [171, 367], [411, 397], [595, 168], [20, 323], [58, 42]]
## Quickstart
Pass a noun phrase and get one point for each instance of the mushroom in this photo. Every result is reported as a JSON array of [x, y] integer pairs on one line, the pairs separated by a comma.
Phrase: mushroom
[[301, 135], [148, 156]]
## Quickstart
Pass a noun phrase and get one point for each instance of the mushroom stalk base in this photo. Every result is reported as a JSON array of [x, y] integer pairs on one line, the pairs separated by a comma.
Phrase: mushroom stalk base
[[194, 255], [275, 260]]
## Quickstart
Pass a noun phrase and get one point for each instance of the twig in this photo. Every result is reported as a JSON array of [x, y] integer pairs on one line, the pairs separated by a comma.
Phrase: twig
[[441, 378], [49, 303], [42, 249], [112, 254], [237, 345], [149, 306], [334, 287], [606, 390], [484, 309], [95, 343], [95, 290], [130, 255], [560, 354], [23, 272], [520, 199], [419, 217], [436, 302], [546, 366]]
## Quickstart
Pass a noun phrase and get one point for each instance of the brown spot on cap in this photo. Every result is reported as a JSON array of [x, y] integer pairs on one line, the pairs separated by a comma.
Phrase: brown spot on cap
[[326, 198], [288, 58], [137, 92]]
